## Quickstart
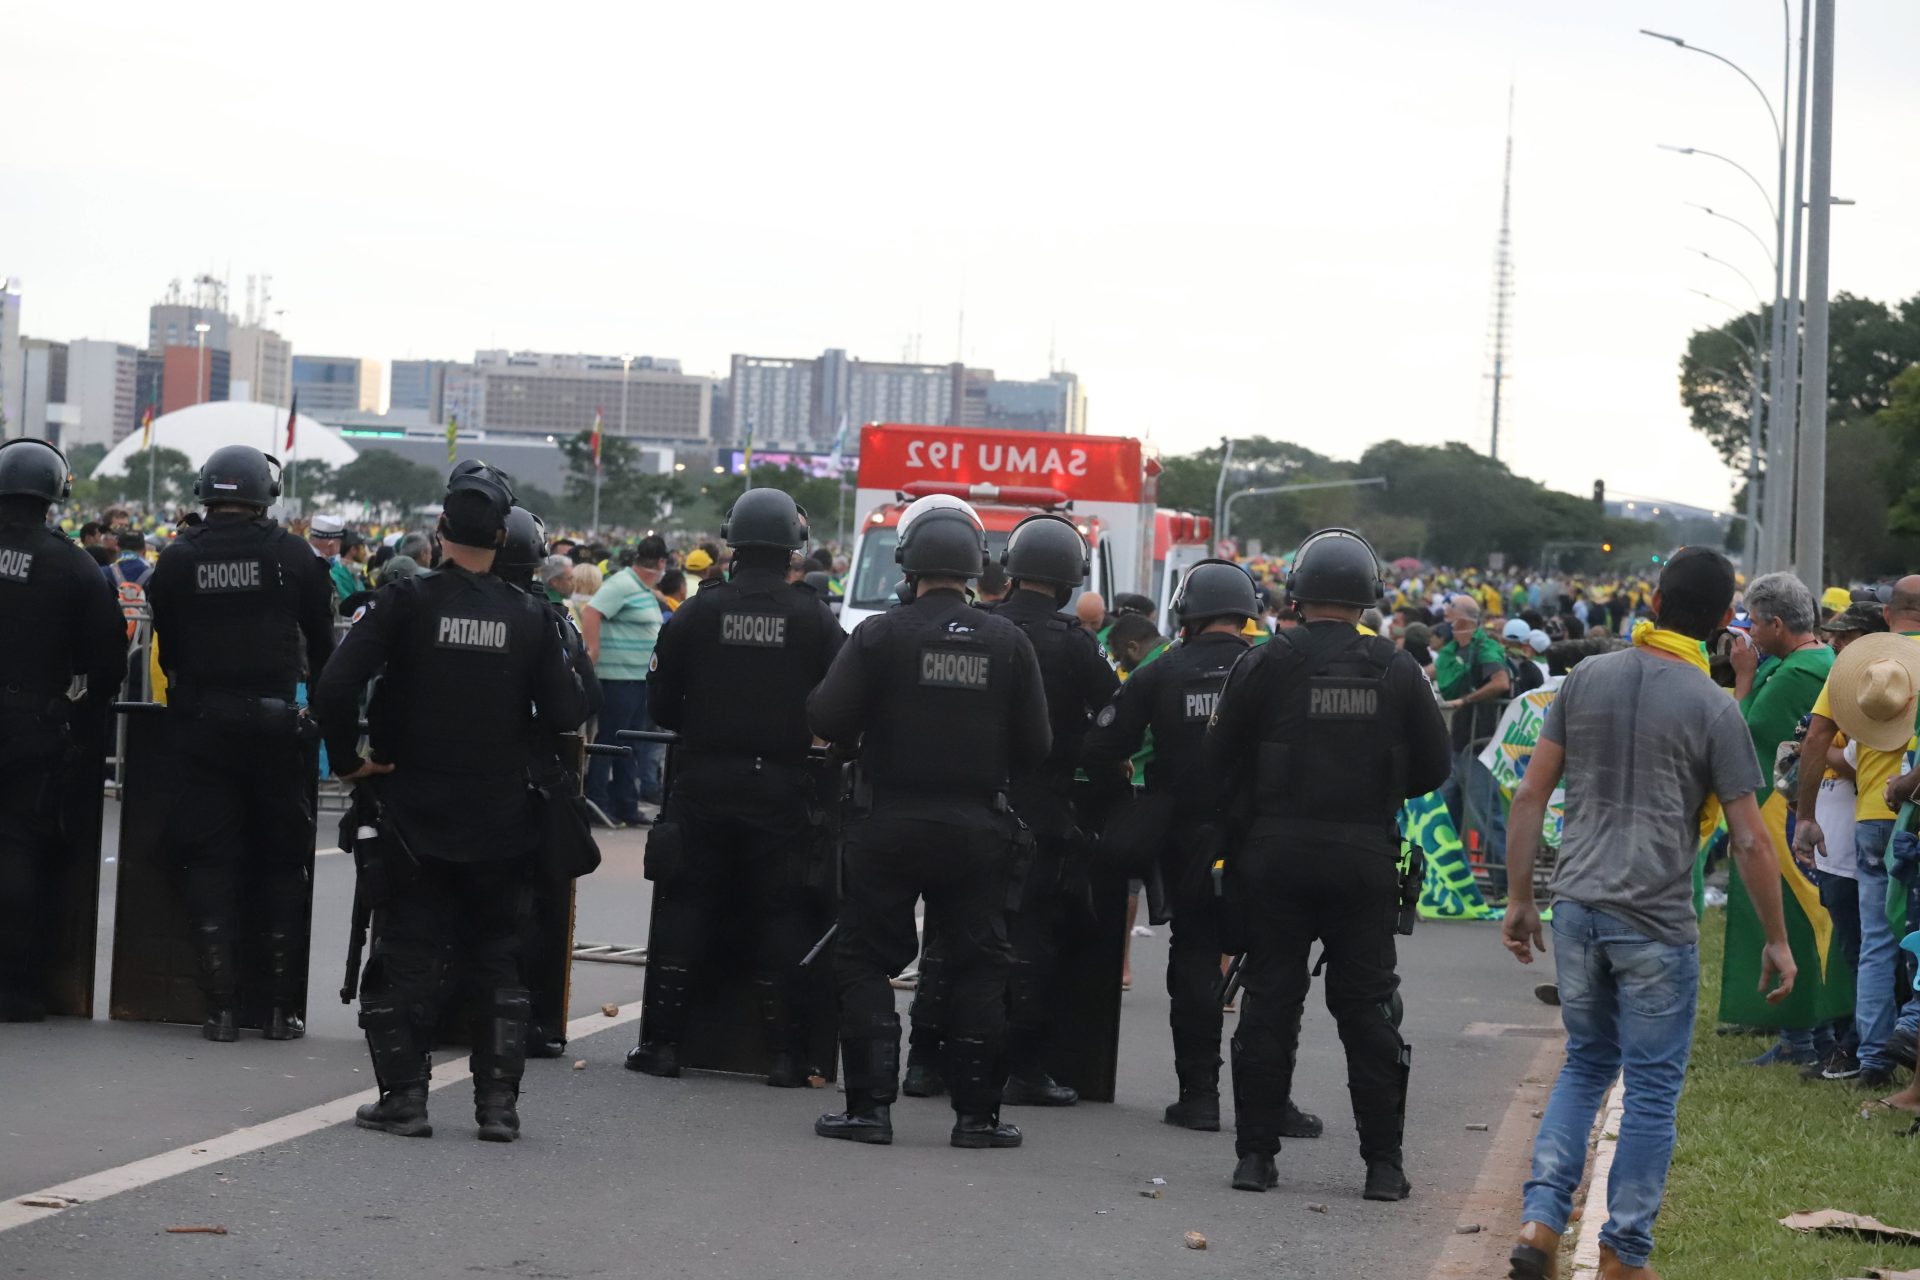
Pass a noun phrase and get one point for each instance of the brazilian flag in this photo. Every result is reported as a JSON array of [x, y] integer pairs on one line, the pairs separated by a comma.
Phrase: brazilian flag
[[1449, 892], [1823, 990]]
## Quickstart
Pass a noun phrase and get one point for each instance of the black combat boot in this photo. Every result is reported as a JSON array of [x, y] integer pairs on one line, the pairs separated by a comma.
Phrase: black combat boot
[[401, 1111], [668, 1000], [499, 1061], [872, 1066], [1199, 1103], [399, 1066], [213, 948], [1380, 1122], [1255, 1173], [546, 1042], [1028, 1084], [1300, 1124], [975, 1070], [285, 976]]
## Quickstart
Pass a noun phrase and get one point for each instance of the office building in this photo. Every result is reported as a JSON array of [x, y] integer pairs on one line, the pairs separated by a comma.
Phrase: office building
[[262, 365], [799, 404], [193, 375], [419, 387], [537, 393], [1056, 403], [336, 384], [175, 324], [12, 376], [101, 392], [43, 370]]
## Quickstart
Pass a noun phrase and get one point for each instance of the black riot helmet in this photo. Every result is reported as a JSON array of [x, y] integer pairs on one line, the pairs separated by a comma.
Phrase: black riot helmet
[[941, 537], [766, 518], [1215, 589], [1046, 549], [477, 502], [525, 547], [1336, 566], [238, 473], [32, 468]]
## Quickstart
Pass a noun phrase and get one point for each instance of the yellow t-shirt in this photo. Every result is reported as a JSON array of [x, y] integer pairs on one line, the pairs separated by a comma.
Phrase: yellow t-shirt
[[1871, 772]]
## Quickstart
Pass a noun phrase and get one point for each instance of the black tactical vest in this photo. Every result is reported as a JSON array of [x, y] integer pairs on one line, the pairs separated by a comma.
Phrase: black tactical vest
[[237, 625], [941, 714], [35, 614], [1187, 683], [459, 689], [1331, 749], [754, 647]]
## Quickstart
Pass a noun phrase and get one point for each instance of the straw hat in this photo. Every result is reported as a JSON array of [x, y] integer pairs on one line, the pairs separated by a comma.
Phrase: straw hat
[[1874, 690]]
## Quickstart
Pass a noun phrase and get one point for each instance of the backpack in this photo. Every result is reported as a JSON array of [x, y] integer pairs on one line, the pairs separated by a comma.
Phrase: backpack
[[133, 598]]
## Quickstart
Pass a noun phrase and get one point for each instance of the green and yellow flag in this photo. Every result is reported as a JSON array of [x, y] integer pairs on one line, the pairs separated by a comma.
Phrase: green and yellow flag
[[453, 434], [1823, 991]]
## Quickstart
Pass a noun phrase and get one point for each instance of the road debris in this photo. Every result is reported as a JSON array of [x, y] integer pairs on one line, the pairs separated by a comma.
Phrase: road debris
[[611, 1010], [1316, 1208], [197, 1231], [1840, 1222], [48, 1202], [579, 1064], [1195, 1240]]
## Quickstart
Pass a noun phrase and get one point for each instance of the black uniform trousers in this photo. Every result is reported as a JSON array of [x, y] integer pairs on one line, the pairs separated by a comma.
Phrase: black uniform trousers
[[447, 931], [30, 846], [747, 847], [959, 857], [243, 826], [1193, 956], [1298, 890]]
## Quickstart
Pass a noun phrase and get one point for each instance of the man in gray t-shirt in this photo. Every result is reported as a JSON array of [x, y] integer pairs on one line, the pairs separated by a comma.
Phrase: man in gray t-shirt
[[1644, 739], [1648, 740]]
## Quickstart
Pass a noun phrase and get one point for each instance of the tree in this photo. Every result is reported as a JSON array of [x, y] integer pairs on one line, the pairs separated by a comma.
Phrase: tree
[[818, 496], [629, 497], [309, 480], [1869, 345], [173, 476], [386, 482]]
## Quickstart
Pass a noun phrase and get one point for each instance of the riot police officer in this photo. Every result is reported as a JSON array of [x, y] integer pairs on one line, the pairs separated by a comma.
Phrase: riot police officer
[[1173, 696], [242, 613], [472, 668], [1324, 733], [739, 833], [57, 619], [1045, 562], [546, 930], [946, 703]]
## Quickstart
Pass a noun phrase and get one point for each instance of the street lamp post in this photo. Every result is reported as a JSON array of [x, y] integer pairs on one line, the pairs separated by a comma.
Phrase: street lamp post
[[1226, 510], [1780, 424], [1811, 512], [200, 362]]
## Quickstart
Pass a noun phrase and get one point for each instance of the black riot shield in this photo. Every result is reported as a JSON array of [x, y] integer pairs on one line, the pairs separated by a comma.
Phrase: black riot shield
[[1084, 1053], [154, 969], [69, 910], [725, 1032]]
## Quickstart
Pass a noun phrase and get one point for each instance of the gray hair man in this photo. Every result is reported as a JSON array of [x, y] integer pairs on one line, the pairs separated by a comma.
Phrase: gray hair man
[[556, 575], [1783, 616]]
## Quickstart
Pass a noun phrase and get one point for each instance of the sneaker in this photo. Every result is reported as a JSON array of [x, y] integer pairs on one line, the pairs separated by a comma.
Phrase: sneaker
[[1841, 1066], [1875, 1078], [1900, 1047], [1547, 993]]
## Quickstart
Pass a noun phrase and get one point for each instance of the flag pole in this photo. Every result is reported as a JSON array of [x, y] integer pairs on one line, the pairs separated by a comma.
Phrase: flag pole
[[597, 428], [149, 450]]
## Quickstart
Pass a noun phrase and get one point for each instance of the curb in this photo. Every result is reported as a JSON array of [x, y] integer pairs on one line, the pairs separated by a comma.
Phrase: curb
[[1586, 1251]]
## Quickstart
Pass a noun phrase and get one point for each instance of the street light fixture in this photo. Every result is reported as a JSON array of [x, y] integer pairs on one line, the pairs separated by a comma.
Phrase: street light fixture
[[1715, 213], [1745, 172], [1780, 137], [1744, 279]]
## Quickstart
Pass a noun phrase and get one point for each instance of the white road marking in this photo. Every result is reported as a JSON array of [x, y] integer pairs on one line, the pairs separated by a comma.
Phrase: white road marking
[[321, 853], [197, 1155]]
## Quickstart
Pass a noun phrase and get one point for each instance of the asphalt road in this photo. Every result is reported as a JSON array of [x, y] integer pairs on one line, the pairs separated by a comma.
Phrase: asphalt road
[[717, 1176]]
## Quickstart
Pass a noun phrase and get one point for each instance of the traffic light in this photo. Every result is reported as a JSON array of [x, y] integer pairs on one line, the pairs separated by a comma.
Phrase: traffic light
[[1600, 494], [1607, 547], [1656, 557]]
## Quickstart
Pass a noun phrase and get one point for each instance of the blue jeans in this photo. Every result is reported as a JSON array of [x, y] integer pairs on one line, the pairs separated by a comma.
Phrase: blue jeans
[[1627, 1001], [614, 782], [1471, 787], [1873, 1001]]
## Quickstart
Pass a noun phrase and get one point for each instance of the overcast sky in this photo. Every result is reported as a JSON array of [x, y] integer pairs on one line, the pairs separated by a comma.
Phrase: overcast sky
[[1227, 217]]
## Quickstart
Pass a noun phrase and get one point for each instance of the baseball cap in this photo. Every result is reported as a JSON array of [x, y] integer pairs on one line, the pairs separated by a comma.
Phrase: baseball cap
[[1857, 617], [698, 561], [1516, 629], [1538, 641]]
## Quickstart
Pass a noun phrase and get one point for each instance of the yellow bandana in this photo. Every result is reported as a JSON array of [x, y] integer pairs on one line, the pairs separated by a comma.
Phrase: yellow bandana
[[1648, 636]]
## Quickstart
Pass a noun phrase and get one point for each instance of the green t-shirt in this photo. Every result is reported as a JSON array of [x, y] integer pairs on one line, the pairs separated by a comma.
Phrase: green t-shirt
[[1453, 666], [630, 624], [1783, 692]]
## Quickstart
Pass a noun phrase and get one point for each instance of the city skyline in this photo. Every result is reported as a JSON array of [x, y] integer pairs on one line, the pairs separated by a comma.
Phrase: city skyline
[[1272, 219]]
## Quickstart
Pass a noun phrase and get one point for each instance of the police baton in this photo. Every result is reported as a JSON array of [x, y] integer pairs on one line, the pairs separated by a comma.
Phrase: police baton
[[1230, 982], [821, 945]]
